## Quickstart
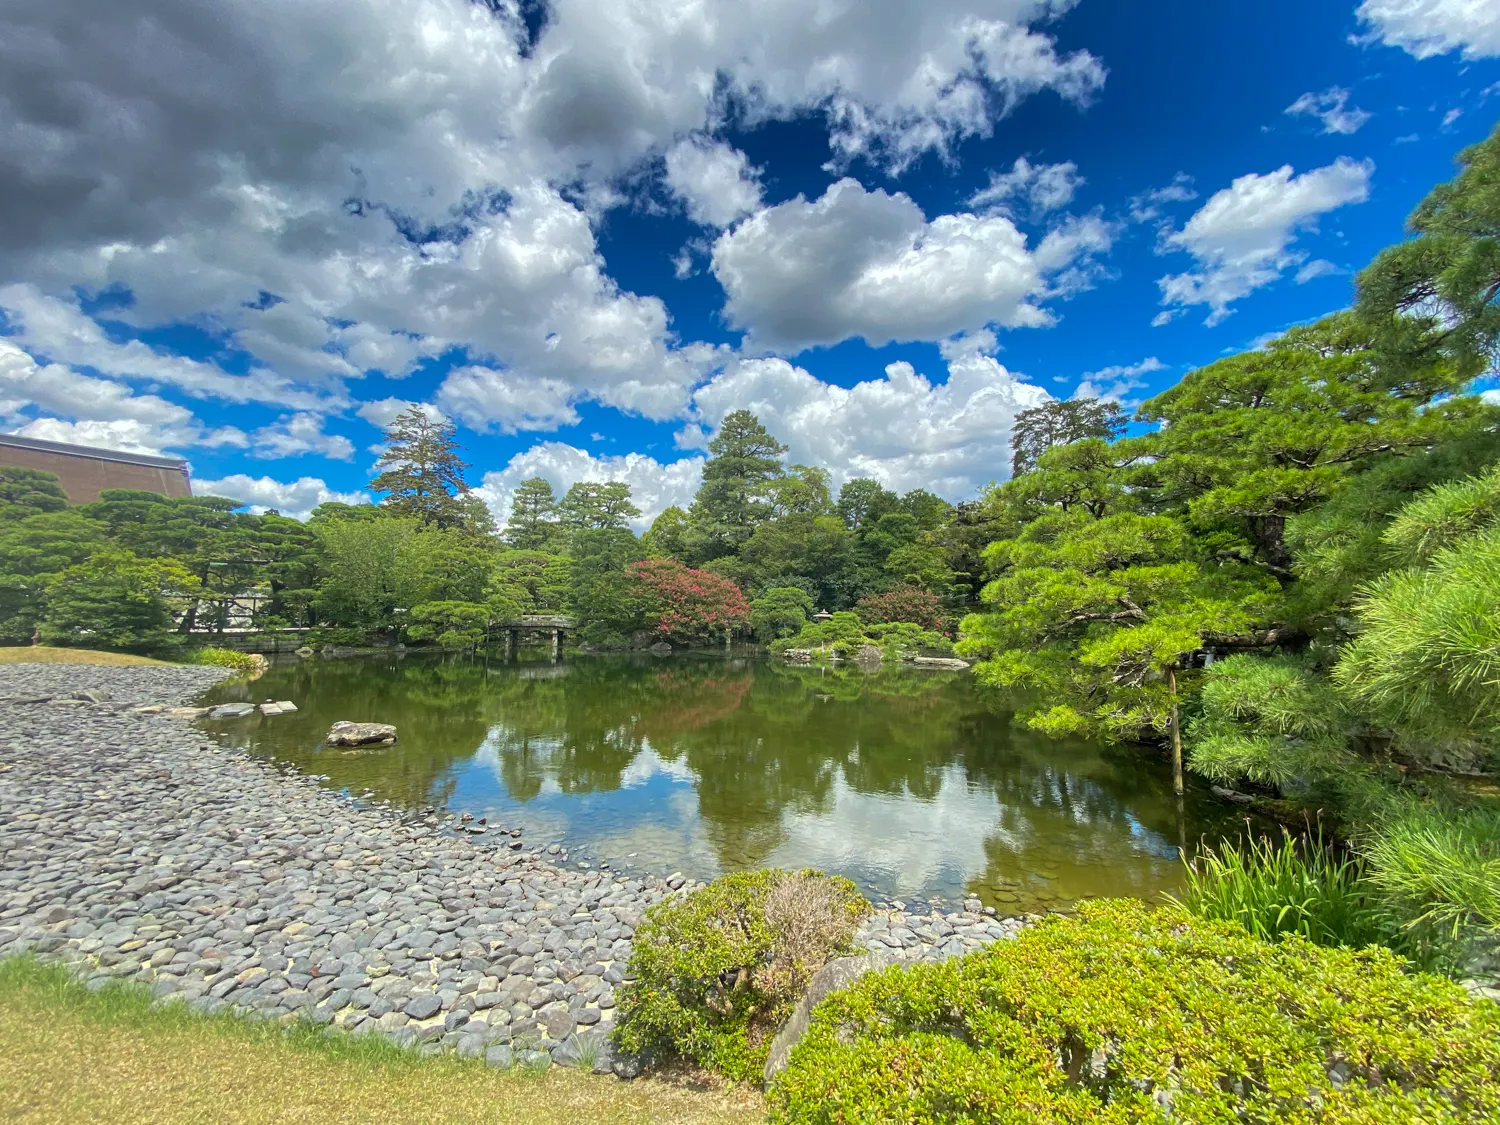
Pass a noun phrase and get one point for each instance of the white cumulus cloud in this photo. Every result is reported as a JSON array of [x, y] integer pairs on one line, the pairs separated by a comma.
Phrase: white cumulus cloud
[[654, 486], [299, 434], [902, 429], [1424, 28], [486, 399], [1042, 187], [383, 411], [1331, 107], [390, 191], [262, 494], [1115, 382], [97, 412], [857, 263], [713, 179], [59, 330], [1241, 239]]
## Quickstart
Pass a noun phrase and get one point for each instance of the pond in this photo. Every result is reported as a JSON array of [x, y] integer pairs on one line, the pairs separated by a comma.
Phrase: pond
[[904, 780]]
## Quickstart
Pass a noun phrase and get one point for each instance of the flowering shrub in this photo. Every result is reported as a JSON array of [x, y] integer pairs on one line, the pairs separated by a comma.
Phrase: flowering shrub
[[903, 603], [682, 604]]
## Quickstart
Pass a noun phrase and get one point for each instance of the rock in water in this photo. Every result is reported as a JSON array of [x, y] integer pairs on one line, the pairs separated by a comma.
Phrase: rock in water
[[232, 711], [661, 648], [345, 733], [940, 662]]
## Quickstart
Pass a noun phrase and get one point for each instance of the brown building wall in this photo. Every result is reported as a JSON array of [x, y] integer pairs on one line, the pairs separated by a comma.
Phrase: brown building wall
[[85, 473]]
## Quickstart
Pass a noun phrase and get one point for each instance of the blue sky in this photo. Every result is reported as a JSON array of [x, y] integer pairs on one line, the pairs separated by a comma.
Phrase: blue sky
[[586, 231]]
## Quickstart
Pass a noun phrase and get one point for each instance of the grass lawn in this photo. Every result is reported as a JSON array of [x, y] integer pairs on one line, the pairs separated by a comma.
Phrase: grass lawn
[[72, 1056], [46, 654]]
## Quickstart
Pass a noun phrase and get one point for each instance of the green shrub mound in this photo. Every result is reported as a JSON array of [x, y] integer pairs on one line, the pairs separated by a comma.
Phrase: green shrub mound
[[225, 658], [719, 970], [1126, 1015]]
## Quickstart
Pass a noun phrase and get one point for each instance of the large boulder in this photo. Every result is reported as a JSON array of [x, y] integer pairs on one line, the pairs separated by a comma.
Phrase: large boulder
[[830, 978], [345, 733]]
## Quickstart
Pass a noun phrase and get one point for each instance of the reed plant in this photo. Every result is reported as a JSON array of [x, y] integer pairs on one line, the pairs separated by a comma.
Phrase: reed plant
[[1292, 886]]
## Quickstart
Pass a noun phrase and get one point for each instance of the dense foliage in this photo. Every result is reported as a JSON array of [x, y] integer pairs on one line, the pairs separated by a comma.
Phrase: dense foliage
[[720, 969], [1289, 571], [1127, 1015], [763, 547]]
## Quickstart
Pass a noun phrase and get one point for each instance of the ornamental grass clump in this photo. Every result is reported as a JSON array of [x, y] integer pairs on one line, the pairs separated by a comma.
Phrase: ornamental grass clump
[[226, 658], [1125, 1014], [719, 970], [1288, 888]]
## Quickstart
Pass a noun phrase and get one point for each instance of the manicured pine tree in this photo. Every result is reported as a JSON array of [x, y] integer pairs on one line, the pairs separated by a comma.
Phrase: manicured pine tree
[[597, 506]]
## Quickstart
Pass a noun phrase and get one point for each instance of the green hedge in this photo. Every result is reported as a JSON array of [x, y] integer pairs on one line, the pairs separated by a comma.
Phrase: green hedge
[[1129, 1015], [719, 970]]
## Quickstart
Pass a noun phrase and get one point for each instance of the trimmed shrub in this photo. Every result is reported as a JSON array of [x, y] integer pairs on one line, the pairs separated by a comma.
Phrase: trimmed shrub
[[226, 658], [1125, 1015], [719, 970]]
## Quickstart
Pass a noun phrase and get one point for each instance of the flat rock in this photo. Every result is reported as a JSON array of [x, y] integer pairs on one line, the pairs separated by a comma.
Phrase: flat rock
[[232, 711], [345, 733]]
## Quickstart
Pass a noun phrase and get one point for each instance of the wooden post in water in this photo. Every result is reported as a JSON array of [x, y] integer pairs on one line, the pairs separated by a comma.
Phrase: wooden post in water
[[1176, 734]]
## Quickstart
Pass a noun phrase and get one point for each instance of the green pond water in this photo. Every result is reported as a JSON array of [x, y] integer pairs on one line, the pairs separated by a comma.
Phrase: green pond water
[[903, 780]]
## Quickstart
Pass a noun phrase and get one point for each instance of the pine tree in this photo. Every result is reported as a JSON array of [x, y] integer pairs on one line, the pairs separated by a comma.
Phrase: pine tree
[[1440, 289], [595, 506], [1061, 423], [736, 493], [533, 516], [422, 473], [25, 492]]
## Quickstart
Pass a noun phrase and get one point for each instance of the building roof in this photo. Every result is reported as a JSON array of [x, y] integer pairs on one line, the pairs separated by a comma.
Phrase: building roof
[[16, 442]]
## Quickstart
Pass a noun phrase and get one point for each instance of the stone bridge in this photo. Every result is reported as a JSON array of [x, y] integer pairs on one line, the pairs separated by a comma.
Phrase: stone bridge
[[556, 625]]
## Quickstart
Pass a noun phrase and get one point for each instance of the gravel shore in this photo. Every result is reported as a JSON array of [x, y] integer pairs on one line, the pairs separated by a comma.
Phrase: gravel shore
[[133, 845]]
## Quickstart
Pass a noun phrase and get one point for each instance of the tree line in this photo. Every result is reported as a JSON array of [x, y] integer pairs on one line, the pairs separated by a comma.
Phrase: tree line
[[760, 550]]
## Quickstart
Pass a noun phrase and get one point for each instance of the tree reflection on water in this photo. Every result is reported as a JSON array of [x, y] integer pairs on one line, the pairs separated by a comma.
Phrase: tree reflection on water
[[904, 778]]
